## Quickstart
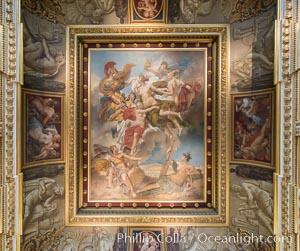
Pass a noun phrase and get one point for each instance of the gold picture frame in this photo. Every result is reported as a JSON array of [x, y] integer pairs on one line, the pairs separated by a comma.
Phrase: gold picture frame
[[141, 11], [255, 145], [44, 132], [83, 43]]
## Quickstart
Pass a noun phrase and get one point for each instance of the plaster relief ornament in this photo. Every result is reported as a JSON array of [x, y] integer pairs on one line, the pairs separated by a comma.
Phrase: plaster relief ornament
[[76, 240], [103, 240], [121, 9], [256, 65], [244, 10], [191, 9], [51, 10], [256, 206], [40, 205], [41, 58], [49, 240], [227, 7], [87, 11]]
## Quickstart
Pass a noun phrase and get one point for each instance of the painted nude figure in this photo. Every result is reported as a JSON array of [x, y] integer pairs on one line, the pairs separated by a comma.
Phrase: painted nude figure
[[45, 106], [161, 72], [166, 107], [39, 197], [259, 145], [148, 8], [119, 168], [48, 138], [180, 178], [39, 58]]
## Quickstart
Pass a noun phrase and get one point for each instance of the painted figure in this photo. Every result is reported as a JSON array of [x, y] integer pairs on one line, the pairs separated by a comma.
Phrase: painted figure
[[110, 86], [46, 139], [119, 244], [39, 199], [161, 72], [45, 106], [175, 237], [103, 240], [166, 116], [253, 128], [256, 199], [174, 182], [119, 169], [43, 128], [147, 8], [40, 59], [136, 126], [191, 9]]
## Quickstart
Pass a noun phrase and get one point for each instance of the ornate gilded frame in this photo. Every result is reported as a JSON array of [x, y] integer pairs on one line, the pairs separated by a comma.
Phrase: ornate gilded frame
[[158, 17], [215, 212], [59, 111], [268, 94]]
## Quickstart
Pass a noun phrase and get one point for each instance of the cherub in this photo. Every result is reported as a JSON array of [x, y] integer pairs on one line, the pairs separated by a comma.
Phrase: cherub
[[148, 8]]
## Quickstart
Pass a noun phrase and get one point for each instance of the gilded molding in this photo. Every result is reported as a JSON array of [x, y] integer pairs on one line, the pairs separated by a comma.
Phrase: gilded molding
[[8, 80], [287, 194], [1, 208], [297, 128], [113, 33]]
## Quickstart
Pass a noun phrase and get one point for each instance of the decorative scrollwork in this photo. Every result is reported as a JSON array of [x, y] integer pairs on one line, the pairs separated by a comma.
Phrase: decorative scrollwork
[[242, 241], [50, 240], [51, 10], [90, 12], [245, 10]]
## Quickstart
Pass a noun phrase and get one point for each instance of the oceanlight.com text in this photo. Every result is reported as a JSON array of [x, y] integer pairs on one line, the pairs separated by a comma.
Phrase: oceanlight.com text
[[204, 238]]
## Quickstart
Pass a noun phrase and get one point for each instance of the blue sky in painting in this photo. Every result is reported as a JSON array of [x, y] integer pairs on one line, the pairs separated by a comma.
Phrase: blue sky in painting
[[186, 60]]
